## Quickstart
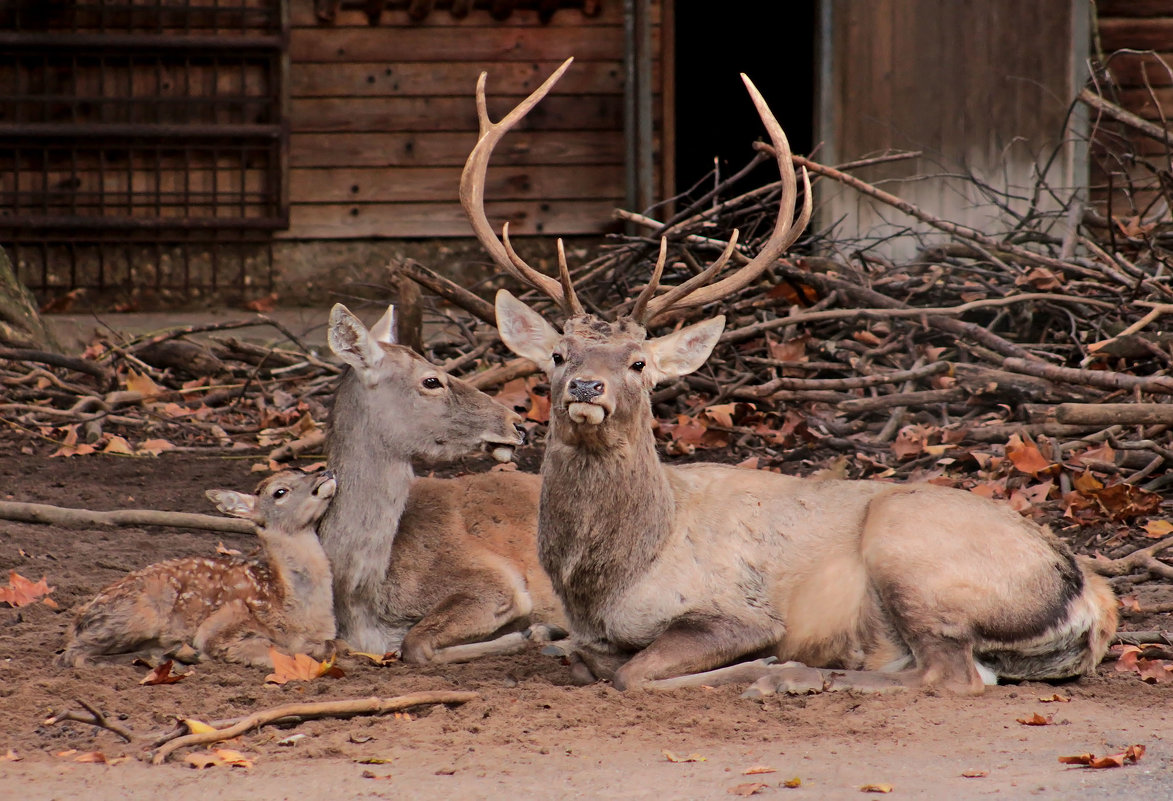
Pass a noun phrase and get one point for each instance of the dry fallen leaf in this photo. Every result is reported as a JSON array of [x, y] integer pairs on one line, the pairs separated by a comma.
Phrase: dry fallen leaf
[[748, 788], [162, 675], [756, 769], [792, 783], [975, 774], [1158, 529], [220, 548], [197, 726], [671, 757], [876, 788], [382, 660], [1055, 698], [299, 667], [1132, 753], [21, 592], [1026, 456], [1036, 720], [91, 757], [11, 756], [234, 758]]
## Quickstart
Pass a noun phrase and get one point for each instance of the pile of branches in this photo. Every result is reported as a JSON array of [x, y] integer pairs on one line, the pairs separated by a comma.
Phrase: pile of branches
[[1033, 363], [170, 391]]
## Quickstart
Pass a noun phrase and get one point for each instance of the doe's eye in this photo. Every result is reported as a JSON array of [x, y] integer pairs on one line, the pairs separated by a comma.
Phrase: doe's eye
[[431, 382], [557, 357], [638, 366], [280, 492]]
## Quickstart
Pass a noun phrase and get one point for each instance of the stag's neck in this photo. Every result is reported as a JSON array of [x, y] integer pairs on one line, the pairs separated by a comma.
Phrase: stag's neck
[[607, 511]]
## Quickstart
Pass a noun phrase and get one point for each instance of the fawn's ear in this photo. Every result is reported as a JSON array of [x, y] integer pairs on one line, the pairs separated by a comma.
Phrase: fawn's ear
[[353, 343], [524, 331], [236, 504], [684, 351]]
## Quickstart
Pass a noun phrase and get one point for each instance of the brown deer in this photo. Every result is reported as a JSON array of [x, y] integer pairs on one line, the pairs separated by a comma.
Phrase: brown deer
[[222, 606], [666, 571], [427, 567]]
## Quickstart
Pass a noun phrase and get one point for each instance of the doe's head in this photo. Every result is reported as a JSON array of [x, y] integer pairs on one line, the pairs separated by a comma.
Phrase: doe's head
[[398, 400]]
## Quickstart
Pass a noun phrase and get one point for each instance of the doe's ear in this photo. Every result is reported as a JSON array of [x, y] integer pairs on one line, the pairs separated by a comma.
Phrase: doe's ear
[[352, 342], [524, 331], [236, 504], [684, 351], [384, 330]]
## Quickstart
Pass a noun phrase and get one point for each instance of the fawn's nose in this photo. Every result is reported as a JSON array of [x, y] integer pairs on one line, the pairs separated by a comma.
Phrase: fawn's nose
[[584, 390], [521, 432]]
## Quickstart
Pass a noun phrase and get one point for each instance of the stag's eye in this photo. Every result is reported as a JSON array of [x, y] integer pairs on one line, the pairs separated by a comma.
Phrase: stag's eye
[[638, 366], [280, 492], [431, 382], [557, 357]]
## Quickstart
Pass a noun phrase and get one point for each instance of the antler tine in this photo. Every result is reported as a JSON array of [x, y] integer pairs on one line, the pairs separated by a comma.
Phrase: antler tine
[[571, 307], [641, 303], [786, 228], [472, 183], [665, 302]]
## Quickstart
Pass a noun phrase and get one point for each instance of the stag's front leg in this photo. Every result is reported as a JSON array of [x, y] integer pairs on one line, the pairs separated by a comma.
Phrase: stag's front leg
[[699, 642]]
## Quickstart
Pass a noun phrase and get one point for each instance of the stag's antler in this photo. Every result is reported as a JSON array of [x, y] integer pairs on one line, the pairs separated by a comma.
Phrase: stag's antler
[[472, 194], [786, 231], [647, 307]]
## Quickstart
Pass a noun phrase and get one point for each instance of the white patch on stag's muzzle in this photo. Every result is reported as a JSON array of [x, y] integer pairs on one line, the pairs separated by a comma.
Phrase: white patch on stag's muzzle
[[586, 413]]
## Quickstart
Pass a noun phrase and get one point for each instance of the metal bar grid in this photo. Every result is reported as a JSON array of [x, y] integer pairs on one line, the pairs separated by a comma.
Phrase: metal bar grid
[[139, 143]]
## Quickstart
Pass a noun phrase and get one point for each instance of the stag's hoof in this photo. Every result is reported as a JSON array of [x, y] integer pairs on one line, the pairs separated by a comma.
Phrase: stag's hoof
[[785, 679], [546, 632]]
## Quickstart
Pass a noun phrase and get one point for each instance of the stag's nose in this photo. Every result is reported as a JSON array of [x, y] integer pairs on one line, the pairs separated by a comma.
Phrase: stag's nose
[[584, 390]]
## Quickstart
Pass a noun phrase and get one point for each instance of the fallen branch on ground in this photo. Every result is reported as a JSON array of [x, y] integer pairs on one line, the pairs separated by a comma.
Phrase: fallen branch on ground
[[323, 709], [86, 518]]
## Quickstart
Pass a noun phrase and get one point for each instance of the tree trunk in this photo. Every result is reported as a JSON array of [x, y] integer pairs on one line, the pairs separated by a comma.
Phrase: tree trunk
[[20, 322]]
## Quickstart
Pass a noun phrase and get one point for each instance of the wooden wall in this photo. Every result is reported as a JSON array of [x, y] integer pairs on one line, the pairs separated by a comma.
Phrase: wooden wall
[[981, 87], [1142, 82], [382, 119]]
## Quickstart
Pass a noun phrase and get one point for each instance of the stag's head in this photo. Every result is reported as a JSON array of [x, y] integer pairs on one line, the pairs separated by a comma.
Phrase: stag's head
[[602, 371]]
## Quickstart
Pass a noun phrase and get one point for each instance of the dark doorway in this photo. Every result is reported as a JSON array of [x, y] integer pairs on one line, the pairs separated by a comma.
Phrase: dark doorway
[[772, 43]]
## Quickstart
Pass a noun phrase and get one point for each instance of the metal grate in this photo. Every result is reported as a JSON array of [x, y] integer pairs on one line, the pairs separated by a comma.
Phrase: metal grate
[[130, 130]]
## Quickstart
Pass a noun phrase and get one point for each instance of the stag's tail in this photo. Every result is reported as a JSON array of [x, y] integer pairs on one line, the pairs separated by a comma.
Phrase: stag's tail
[[1072, 646]]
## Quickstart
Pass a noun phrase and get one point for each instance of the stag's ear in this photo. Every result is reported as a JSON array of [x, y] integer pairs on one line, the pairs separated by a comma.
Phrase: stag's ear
[[353, 343], [524, 331], [236, 504], [684, 351]]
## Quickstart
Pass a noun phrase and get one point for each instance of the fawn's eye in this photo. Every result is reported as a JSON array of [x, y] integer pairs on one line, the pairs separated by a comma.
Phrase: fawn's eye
[[638, 366], [431, 382], [280, 492], [557, 357]]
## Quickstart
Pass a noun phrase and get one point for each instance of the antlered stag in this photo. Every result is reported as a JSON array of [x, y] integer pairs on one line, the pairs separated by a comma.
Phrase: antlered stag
[[222, 606], [665, 571], [429, 567]]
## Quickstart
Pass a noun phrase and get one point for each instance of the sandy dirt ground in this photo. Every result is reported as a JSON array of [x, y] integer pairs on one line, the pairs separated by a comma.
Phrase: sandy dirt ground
[[529, 734]]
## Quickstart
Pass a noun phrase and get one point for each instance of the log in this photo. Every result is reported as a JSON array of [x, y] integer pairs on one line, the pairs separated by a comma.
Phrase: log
[[87, 518], [21, 325], [1106, 414]]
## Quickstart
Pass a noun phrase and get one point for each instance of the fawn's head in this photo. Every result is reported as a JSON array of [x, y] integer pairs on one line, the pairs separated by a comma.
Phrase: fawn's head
[[288, 502], [397, 400], [602, 371]]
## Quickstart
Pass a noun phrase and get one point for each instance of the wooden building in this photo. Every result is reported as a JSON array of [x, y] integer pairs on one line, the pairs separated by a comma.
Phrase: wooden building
[[182, 143]]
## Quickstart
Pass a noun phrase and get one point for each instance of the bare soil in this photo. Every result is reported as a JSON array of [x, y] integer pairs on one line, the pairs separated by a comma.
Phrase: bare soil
[[530, 734]]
